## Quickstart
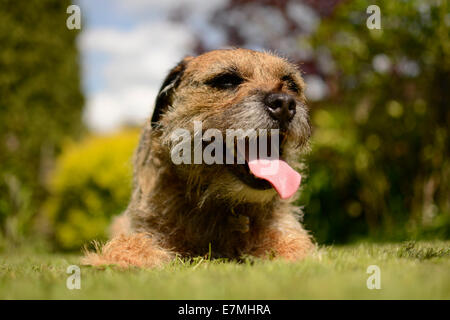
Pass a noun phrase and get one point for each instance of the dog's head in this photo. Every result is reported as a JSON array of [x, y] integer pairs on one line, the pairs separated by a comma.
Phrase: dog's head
[[238, 90]]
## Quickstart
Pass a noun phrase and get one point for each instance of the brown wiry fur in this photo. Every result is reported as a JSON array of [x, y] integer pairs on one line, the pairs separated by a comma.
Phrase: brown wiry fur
[[185, 209]]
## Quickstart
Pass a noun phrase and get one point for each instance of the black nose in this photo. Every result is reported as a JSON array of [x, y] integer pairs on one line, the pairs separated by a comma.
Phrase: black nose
[[281, 107]]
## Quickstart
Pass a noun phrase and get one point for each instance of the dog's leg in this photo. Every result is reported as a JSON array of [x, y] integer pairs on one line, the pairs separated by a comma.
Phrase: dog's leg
[[138, 250], [285, 238], [120, 225]]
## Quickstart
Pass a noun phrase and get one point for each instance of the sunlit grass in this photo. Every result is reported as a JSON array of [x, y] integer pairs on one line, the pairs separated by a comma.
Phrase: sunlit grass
[[408, 271]]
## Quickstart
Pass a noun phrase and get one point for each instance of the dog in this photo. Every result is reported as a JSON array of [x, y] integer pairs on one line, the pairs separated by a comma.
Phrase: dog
[[221, 210]]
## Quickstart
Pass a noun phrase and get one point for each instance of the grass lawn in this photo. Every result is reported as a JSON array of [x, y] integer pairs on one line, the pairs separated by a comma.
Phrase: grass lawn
[[408, 271]]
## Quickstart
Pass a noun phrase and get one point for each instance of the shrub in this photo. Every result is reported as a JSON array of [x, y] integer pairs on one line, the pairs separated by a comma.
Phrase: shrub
[[91, 183], [380, 165]]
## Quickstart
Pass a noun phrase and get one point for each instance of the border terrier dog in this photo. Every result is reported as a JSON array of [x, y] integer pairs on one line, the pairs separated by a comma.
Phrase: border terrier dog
[[222, 210]]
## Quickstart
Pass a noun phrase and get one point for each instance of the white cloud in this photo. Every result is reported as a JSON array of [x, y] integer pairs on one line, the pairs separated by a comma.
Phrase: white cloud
[[138, 60], [107, 110]]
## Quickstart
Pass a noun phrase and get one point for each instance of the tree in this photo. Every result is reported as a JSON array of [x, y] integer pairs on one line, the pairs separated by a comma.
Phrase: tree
[[40, 104], [380, 162]]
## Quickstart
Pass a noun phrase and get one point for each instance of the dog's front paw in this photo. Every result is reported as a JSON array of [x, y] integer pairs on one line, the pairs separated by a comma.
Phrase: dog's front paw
[[138, 250]]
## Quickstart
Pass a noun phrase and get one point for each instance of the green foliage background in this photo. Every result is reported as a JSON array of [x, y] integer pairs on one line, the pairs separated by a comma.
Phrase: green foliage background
[[380, 161], [90, 184], [40, 105]]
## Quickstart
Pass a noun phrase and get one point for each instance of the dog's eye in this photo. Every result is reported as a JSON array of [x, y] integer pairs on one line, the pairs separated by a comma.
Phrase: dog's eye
[[225, 81], [291, 84]]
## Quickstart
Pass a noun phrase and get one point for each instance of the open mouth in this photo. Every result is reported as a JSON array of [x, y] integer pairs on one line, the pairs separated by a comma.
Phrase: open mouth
[[265, 170], [242, 171]]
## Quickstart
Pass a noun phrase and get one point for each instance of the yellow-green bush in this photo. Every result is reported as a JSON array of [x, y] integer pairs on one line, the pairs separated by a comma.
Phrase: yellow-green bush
[[91, 183]]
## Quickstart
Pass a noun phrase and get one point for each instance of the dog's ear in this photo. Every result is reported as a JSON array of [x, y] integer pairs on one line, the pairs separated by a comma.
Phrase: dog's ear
[[170, 83]]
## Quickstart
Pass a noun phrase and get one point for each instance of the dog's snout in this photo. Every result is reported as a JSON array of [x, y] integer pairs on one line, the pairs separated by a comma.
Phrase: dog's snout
[[281, 106]]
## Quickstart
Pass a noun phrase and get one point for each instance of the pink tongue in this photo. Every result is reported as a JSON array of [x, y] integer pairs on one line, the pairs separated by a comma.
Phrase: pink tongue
[[283, 178]]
